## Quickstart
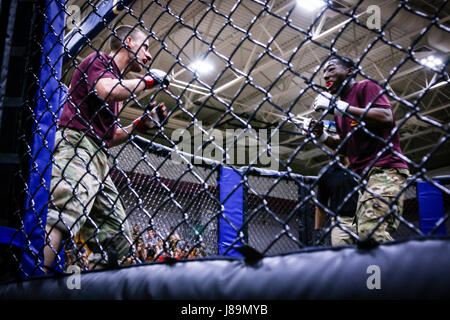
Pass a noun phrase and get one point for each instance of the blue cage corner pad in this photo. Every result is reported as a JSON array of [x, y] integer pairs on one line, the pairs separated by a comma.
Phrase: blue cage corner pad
[[231, 192], [47, 106], [431, 208]]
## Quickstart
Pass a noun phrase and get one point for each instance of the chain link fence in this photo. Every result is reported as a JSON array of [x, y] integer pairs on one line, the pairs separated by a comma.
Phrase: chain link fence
[[277, 216], [159, 130], [172, 200]]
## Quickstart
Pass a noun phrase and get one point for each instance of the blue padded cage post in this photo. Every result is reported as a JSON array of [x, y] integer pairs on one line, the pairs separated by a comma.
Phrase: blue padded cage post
[[47, 110], [431, 207], [105, 12], [231, 195], [42, 142]]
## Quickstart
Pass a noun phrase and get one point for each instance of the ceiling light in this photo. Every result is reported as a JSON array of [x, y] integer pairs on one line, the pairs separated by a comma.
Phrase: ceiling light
[[431, 62], [201, 66], [311, 5]]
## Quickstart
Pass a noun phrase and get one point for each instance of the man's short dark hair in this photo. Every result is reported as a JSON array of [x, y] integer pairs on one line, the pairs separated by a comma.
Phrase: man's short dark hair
[[120, 34], [344, 61]]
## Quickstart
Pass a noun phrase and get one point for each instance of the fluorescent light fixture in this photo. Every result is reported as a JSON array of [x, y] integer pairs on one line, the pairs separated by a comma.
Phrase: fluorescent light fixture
[[311, 5], [201, 66], [431, 62]]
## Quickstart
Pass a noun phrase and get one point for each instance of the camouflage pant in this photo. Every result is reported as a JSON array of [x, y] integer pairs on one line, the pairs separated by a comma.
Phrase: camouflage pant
[[84, 198], [376, 201], [340, 237]]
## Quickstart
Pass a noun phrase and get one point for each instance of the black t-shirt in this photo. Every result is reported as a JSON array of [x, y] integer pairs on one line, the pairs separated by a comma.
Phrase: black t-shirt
[[335, 184]]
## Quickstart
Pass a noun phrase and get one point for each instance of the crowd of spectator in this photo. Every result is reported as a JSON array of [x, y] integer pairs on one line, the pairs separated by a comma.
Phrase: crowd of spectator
[[77, 255], [149, 248]]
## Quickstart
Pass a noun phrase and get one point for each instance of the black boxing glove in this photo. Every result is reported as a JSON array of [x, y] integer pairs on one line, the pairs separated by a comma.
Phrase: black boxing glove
[[159, 113]]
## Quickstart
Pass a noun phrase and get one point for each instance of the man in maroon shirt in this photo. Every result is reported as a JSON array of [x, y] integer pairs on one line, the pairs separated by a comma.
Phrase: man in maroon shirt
[[84, 199], [366, 135]]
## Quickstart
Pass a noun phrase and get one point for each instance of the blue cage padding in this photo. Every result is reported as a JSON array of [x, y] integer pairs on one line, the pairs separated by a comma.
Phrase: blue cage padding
[[231, 194], [12, 236], [414, 269], [105, 12], [431, 208], [43, 139]]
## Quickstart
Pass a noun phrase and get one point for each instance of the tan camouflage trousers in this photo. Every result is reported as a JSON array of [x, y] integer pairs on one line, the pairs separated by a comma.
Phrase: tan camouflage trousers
[[83, 197], [376, 201], [341, 237]]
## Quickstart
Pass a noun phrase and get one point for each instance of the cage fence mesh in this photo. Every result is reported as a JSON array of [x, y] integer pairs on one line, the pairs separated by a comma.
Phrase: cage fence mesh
[[167, 197], [273, 214], [242, 73]]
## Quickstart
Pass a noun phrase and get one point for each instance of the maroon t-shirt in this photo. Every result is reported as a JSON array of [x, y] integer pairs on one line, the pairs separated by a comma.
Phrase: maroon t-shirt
[[84, 110], [361, 148]]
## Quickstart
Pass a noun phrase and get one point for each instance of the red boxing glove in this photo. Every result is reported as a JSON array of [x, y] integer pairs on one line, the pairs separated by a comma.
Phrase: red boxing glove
[[159, 113], [149, 81], [155, 77], [139, 125]]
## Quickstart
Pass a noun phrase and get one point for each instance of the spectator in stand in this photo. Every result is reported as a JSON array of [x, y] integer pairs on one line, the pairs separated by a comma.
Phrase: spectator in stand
[[150, 252], [137, 237], [151, 237], [142, 252]]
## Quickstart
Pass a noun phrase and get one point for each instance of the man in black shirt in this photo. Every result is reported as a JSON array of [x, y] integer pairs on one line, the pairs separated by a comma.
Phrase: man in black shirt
[[337, 191]]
